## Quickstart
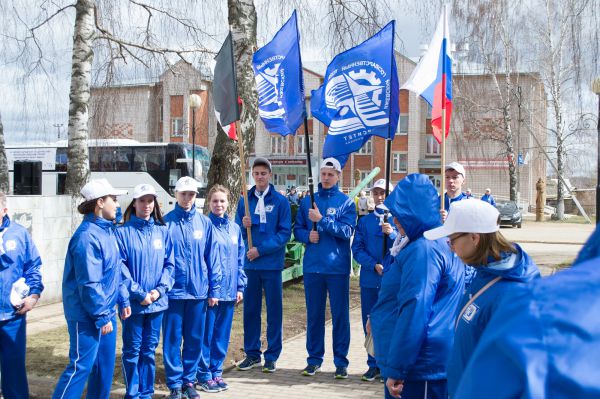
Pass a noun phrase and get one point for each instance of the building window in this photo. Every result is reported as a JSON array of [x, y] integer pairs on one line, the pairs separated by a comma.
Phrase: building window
[[399, 162], [433, 147], [308, 114], [161, 111], [429, 111], [364, 174], [300, 144], [367, 148], [279, 144], [279, 179], [403, 125], [176, 127]]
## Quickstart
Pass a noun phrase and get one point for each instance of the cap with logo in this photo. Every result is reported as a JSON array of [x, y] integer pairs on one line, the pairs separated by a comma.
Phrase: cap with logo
[[331, 163], [98, 188], [468, 216], [260, 161], [186, 183], [381, 184], [143, 189], [457, 167]]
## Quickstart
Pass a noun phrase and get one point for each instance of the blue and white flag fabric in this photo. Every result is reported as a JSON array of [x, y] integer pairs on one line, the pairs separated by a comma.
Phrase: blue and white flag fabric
[[278, 75], [359, 97]]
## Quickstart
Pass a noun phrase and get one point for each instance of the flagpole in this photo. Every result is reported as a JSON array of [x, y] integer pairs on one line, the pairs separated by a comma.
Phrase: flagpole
[[241, 147], [243, 171], [443, 149], [388, 154], [311, 184]]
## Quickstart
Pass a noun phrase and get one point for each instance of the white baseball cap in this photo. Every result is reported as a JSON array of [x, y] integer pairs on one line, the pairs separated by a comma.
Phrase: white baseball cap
[[467, 216], [457, 167], [98, 188], [331, 163], [186, 183], [381, 184], [143, 189], [260, 161]]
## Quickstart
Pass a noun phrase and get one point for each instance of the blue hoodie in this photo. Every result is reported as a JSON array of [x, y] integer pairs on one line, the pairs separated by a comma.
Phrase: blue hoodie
[[20, 258], [230, 244], [413, 319], [331, 255], [543, 342], [271, 242], [92, 272], [197, 267], [147, 253], [516, 271], [367, 248]]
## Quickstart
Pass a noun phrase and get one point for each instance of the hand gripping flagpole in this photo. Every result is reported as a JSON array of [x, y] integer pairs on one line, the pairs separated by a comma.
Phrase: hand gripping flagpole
[[443, 149], [311, 185]]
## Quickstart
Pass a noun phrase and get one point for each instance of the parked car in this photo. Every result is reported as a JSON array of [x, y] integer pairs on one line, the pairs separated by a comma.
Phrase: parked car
[[510, 215]]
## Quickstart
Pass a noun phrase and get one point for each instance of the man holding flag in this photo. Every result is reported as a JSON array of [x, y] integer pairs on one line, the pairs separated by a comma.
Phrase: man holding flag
[[327, 267]]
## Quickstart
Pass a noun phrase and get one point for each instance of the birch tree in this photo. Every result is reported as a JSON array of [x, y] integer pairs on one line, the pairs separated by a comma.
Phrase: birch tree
[[558, 58], [3, 162], [225, 167], [145, 39]]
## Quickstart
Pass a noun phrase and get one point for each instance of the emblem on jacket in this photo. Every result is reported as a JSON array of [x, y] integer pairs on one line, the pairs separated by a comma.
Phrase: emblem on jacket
[[197, 234], [157, 243], [269, 208], [470, 312], [10, 245], [331, 211]]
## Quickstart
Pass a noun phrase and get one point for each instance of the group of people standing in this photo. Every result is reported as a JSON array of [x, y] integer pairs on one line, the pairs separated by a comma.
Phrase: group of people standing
[[437, 288]]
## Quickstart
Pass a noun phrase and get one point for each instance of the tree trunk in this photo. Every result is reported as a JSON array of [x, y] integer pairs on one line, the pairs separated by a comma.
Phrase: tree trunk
[[78, 163], [225, 167], [3, 163]]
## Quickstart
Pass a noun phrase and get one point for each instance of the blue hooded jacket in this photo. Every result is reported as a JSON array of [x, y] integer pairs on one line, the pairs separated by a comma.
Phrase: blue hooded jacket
[[331, 255], [228, 238], [147, 254], [20, 258], [543, 342], [367, 248], [197, 267], [271, 242], [516, 271], [92, 274], [413, 319]]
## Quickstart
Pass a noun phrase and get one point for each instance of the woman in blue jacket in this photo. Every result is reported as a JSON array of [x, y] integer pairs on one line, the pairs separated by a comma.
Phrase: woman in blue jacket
[[90, 290], [197, 278], [147, 253], [502, 269], [228, 238], [413, 320]]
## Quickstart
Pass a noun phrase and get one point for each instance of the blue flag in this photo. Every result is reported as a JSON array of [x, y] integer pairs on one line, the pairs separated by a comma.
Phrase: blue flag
[[278, 75], [359, 97]]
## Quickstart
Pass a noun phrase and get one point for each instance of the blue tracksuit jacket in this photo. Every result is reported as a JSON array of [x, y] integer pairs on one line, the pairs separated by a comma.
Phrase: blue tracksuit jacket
[[413, 319], [516, 271], [92, 273], [197, 267], [147, 253], [331, 255], [20, 259], [228, 238], [270, 243], [543, 342], [367, 248]]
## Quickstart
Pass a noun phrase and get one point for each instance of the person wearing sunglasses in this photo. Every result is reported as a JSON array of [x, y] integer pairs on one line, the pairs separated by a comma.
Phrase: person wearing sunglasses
[[502, 268]]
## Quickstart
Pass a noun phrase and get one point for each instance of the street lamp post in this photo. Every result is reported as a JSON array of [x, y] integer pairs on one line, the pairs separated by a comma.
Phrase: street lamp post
[[195, 102], [596, 90]]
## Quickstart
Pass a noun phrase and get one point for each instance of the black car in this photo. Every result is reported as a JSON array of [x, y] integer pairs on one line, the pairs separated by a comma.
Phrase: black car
[[510, 215]]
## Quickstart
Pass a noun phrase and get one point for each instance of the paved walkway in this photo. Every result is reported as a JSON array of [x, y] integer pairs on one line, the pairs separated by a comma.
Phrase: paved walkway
[[286, 382]]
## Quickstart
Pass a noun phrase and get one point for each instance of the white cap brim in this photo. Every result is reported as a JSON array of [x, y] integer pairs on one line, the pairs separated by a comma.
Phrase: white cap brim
[[438, 232]]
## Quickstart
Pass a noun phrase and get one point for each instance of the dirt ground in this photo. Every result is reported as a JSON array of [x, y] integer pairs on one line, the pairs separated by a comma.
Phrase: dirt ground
[[47, 352]]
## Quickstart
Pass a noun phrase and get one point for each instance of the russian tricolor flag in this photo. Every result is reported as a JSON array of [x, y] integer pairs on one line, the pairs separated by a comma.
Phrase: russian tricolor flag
[[433, 72]]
